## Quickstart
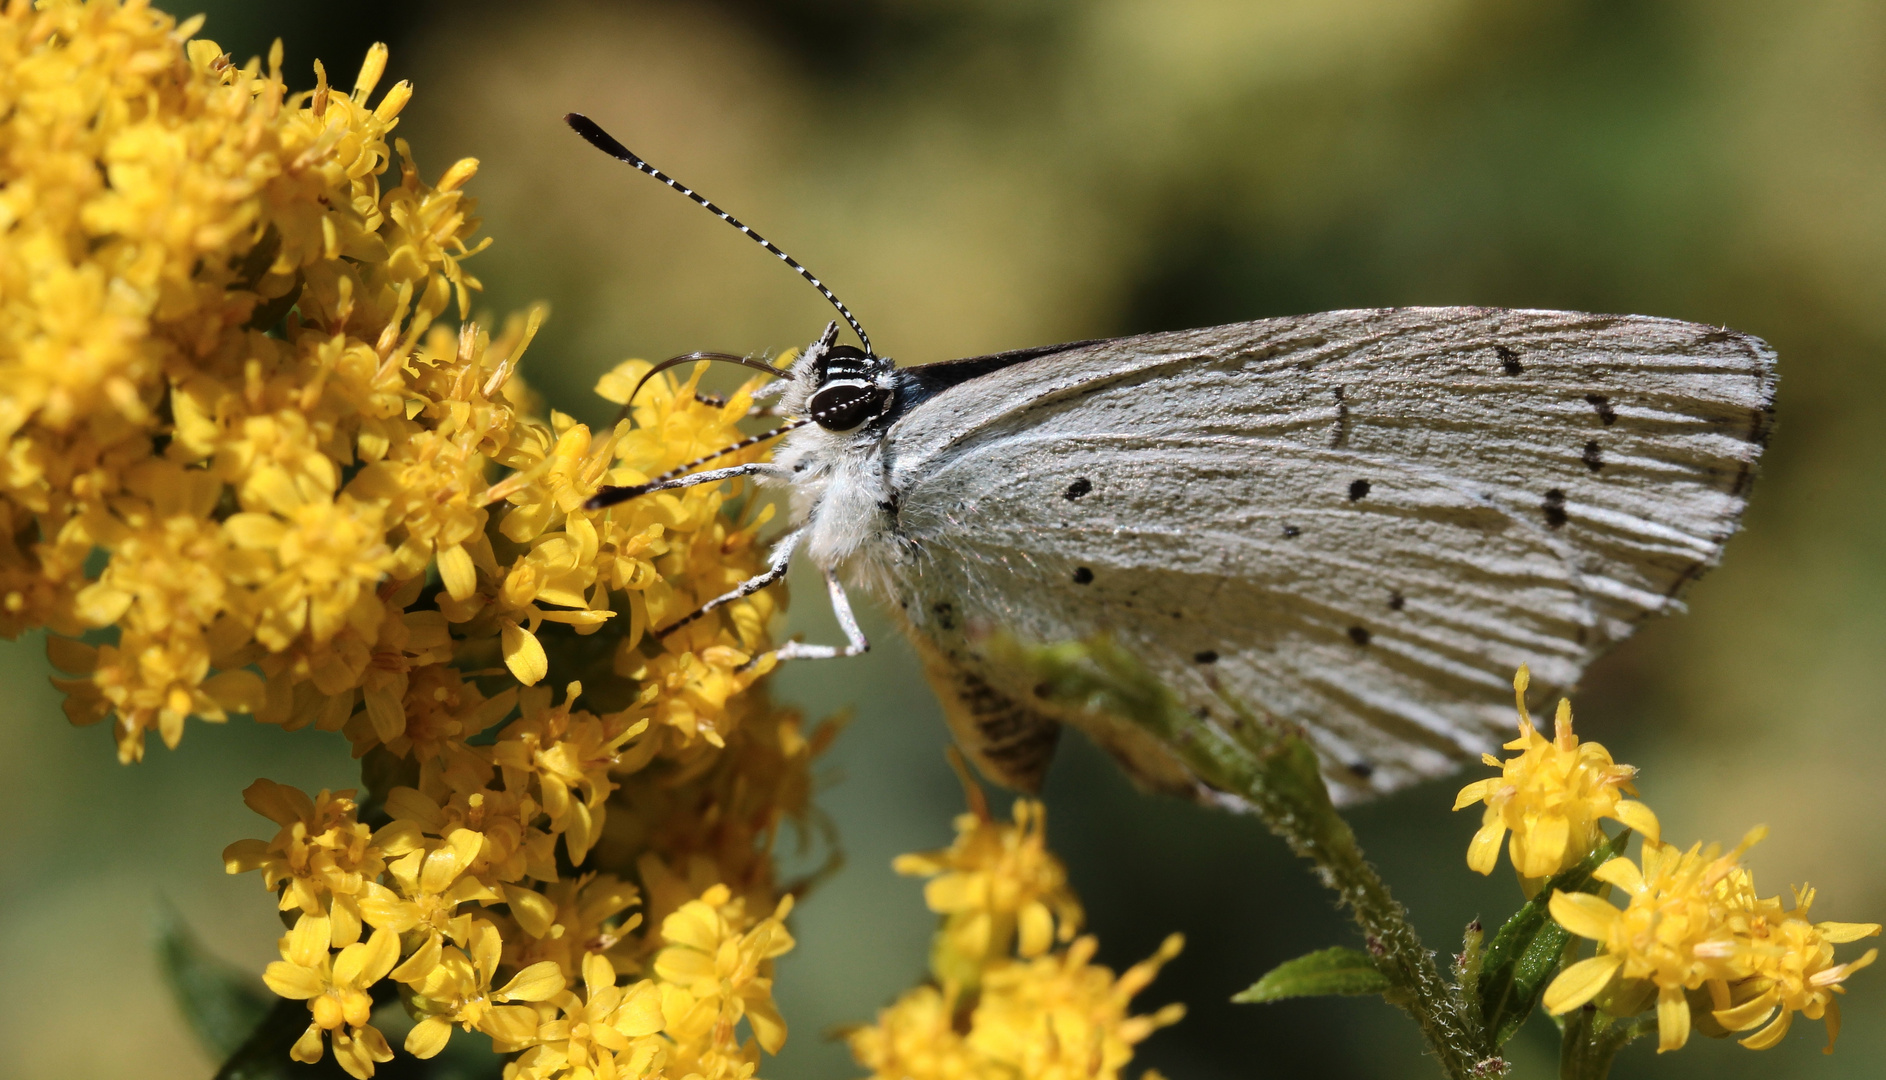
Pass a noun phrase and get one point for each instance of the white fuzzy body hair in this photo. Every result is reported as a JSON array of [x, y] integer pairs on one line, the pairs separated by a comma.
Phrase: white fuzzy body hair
[[839, 493]]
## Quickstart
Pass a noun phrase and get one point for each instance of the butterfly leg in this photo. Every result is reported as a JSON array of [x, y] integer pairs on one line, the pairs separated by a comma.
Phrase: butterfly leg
[[855, 642], [610, 496], [782, 556]]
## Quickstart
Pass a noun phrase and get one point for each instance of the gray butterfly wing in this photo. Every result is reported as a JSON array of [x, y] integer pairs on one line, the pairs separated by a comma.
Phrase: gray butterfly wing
[[1359, 521]]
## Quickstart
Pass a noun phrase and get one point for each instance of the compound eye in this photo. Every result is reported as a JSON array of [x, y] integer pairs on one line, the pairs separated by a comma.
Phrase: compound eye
[[843, 406]]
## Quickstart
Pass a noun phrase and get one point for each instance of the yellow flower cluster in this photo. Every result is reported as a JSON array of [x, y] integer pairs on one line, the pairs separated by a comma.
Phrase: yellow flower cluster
[[996, 884], [1551, 797], [1693, 922], [1693, 941], [248, 459], [1004, 1006]]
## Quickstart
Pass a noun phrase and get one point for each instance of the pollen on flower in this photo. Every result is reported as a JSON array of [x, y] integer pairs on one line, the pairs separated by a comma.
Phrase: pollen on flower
[[1551, 798]]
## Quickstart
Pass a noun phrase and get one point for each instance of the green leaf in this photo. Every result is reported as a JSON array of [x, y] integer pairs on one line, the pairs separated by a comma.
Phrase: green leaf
[[1331, 971], [1526, 952], [221, 1004]]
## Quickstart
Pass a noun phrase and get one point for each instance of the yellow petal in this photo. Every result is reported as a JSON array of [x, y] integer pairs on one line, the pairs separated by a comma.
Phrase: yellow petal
[[1545, 845], [1623, 873], [1037, 930], [1673, 1019], [768, 1026], [1483, 854], [421, 962], [1477, 791], [1638, 818], [1748, 1014], [457, 573], [278, 802], [640, 1012], [309, 1048], [954, 892], [245, 855], [1767, 1036], [510, 1023], [1583, 914], [539, 982], [428, 1037], [1839, 933], [294, 981], [534, 911], [598, 975], [308, 941], [524, 654], [695, 925], [487, 947], [1580, 983]]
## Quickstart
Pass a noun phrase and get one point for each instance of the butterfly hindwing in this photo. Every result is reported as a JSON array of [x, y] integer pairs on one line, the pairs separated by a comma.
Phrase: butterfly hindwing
[[1361, 521]]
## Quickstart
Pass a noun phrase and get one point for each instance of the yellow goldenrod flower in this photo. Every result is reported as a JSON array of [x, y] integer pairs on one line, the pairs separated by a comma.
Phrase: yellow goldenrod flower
[[991, 1014], [998, 887], [1551, 797], [606, 1033], [570, 921], [915, 1039], [1791, 963], [335, 988], [565, 758], [230, 376], [1061, 1017], [1674, 935], [1055, 1017], [717, 968], [430, 886], [451, 985], [321, 862]]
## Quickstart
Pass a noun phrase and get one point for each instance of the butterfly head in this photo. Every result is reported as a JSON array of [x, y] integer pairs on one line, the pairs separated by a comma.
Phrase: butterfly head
[[840, 387]]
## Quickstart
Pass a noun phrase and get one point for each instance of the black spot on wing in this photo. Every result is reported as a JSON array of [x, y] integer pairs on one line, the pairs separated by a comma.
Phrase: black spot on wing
[[1361, 770], [1554, 508], [1083, 576], [1606, 414], [1358, 489], [1396, 601], [1592, 457], [1360, 635], [1079, 487], [1509, 360], [1205, 657], [1291, 532]]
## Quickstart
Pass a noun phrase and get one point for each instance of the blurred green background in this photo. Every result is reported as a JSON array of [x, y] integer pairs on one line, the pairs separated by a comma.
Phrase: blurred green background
[[973, 175]]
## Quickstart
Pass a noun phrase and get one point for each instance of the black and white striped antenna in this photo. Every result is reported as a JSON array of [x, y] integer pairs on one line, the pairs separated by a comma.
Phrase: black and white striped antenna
[[602, 140]]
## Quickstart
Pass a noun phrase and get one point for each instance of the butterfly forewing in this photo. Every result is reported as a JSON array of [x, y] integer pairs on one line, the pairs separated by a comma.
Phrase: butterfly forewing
[[1361, 522]]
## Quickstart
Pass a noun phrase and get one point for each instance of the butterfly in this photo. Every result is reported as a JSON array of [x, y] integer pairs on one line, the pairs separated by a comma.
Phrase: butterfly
[[1359, 522]]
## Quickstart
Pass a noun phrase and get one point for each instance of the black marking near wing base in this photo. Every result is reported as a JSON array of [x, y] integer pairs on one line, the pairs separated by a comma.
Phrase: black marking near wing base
[[924, 381]]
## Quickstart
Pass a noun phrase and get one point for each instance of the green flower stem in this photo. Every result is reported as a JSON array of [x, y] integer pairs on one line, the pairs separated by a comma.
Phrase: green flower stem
[[1275, 771], [1590, 1042]]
